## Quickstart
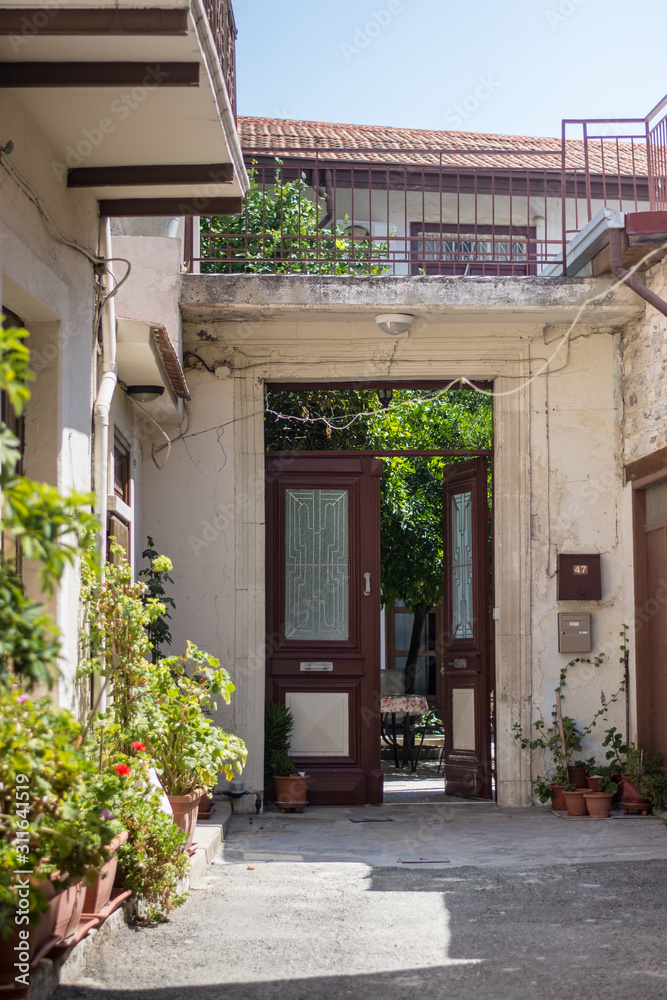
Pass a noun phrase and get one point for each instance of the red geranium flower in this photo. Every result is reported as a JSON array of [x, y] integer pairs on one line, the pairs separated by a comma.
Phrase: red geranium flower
[[122, 769], [138, 745]]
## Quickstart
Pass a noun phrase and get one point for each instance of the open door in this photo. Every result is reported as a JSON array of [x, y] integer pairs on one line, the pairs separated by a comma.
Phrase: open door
[[323, 617], [466, 663]]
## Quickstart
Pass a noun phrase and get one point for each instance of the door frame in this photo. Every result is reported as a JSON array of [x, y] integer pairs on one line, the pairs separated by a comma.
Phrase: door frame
[[274, 551], [642, 603], [512, 545]]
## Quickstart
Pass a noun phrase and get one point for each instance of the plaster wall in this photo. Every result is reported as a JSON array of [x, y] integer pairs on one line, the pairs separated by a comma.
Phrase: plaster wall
[[190, 510], [51, 287], [644, 366], [575, 434], [577, 507]]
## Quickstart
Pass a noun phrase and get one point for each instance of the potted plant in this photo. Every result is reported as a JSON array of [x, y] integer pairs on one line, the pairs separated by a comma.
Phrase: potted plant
[[52, 823], [644, 782], [574, 800], [186, 747], [291, 786], [598, 801], [278, 726], [564, 736]]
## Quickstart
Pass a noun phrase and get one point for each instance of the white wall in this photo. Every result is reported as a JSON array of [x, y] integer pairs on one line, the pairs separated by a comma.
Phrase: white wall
[[51, 287]]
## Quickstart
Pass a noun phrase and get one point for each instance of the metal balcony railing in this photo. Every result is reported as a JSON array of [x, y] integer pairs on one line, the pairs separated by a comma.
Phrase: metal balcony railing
[[477, 210], [223, 26]]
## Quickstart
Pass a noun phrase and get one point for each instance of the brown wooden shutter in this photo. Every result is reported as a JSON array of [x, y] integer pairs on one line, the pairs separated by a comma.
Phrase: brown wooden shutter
[[120, 530]]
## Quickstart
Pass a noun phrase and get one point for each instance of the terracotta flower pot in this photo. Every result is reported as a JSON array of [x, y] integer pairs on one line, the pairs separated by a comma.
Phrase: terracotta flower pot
[[598, 804], [629, 793], [574, 803], [593, 782], [37, 933], [69, 909], [577, 776], [557, 797], [98, 894], [291, 791], [185, 809]]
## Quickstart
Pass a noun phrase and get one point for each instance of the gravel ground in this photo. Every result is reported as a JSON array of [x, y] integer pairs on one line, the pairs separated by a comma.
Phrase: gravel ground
[[299, 931]]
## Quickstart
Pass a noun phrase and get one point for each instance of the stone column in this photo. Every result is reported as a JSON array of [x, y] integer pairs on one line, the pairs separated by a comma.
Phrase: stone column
[[250, 573], [513, 575]]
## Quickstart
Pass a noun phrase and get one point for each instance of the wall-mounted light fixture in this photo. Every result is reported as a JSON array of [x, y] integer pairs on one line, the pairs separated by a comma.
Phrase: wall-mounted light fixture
[[385, 396], [394, 323], [144, 393]]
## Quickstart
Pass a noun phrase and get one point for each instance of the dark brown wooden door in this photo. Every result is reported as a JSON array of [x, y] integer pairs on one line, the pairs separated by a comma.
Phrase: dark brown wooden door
[[323, 617], [466, 662], [654, 736]]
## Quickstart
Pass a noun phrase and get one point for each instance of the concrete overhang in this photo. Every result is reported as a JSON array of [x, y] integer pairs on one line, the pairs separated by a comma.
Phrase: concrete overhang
[[145, 356], [163, 103], [457, 300]]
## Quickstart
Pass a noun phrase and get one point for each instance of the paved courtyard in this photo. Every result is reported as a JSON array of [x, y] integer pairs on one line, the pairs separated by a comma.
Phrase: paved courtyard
[[452, 901]]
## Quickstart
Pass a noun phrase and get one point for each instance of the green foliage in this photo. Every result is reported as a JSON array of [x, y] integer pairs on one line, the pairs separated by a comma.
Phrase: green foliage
[[153, 861], [282, 764], [155, 577], [115, 643], [186, 747], [278, 233], [549, 740], [278, 726], [163, 704], [29, 646], [543, 790], [617, 750], [606, 785], [646, 772], [51, 799]]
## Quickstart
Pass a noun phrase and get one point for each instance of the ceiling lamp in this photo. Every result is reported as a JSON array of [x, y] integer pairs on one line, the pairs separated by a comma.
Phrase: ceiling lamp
[[394, 323], [144, 393], [385, 397]]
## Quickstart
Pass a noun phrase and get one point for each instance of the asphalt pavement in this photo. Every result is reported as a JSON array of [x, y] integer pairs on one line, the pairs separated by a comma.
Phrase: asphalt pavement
[[400, 903]]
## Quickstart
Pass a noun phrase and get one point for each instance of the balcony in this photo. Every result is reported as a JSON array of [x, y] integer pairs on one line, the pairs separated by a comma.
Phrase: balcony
[[321, 205], [106, 83]]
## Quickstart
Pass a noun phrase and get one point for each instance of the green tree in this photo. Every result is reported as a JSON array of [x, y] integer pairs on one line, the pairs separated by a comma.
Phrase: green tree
[[411, 491], [279, 233]]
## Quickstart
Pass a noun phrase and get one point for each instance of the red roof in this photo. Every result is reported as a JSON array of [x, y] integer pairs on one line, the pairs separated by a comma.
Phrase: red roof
[[384, 144]]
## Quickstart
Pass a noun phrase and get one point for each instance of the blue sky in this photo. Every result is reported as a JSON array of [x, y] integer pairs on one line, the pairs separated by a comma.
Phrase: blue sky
[[516, 67]]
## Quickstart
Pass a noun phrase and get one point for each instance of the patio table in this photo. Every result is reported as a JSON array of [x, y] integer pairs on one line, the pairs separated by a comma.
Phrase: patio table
[[410, 706]]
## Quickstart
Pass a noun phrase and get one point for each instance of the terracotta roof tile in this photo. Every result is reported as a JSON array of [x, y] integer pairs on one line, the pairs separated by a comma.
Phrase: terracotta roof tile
[[384, 144]]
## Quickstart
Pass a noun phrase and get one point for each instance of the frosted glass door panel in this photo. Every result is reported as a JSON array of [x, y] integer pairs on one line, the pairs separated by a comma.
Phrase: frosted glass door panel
[[462, 603], [316, 565]]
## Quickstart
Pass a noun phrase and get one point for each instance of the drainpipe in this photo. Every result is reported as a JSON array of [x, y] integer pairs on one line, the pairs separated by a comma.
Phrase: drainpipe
[[630, 280], [105, 390]]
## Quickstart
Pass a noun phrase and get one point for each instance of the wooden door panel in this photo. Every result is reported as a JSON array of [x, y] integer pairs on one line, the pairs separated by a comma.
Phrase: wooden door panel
[[656, 566], [466, 666], [322, 627]]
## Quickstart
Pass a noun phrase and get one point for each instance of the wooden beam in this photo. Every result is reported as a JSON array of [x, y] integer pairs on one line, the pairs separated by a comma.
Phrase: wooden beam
[[99, 74], [646, 466], [132, 207], [30, 22], [178, 173]]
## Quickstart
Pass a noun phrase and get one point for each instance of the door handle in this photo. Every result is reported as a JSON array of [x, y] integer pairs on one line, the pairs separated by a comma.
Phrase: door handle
[[367, 588]]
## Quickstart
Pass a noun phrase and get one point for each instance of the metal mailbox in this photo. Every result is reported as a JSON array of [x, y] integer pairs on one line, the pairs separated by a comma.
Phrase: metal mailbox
[[579, 577], [574, 633]]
